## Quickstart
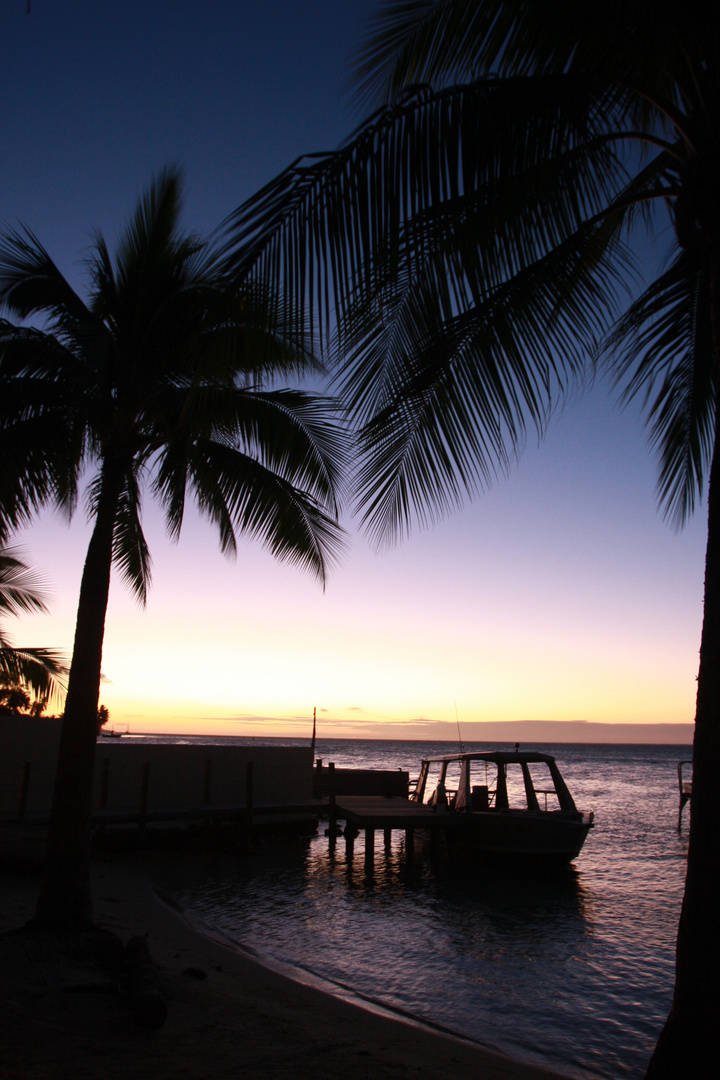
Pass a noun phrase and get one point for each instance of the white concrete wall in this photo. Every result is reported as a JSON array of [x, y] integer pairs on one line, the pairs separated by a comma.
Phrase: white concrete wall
[[281, 775]]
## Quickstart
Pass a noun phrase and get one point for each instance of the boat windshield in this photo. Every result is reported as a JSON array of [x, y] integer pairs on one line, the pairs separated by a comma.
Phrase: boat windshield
[[524, 786], [491, 785], [544, 786], [445, 772]]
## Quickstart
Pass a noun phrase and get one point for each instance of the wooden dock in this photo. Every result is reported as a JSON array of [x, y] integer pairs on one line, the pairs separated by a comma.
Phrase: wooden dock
[[382, 812], [372, 813]]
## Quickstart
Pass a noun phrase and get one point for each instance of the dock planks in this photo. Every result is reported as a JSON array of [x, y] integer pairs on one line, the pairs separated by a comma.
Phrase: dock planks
[[381, 812]]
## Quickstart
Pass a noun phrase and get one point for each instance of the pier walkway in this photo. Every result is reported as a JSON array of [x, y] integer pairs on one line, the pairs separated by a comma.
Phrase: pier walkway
[[383, 812], [372, 812]]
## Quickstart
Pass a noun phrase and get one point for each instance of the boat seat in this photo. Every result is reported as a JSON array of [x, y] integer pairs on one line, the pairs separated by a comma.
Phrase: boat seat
[[480, 797]]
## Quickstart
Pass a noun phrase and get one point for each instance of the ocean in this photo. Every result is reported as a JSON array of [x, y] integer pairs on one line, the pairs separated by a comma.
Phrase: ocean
[[571, 970]]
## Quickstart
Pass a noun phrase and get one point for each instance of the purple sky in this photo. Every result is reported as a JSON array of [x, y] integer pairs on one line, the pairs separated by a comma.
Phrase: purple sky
[[561, 595]]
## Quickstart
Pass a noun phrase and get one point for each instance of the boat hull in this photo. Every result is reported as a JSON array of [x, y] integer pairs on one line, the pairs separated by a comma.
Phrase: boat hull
[[518, 836]]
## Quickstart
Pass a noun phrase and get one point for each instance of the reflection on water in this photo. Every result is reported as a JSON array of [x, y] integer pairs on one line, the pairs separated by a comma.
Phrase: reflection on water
[[572, 969]]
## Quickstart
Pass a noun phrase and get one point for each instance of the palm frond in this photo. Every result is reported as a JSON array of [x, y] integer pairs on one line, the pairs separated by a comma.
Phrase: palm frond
[[22, 592], [287, 438], [41, 450], [415, 41], [334, 225], [41, 670], [21, 589], [295, 434], [130, 551], [239, 494], [452, 392], [662, 351], [437, 41], [31, 284], [468, 245]]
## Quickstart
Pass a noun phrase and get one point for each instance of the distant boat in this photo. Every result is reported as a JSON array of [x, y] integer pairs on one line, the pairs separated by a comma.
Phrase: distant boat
[[112, 733], [504, 804]]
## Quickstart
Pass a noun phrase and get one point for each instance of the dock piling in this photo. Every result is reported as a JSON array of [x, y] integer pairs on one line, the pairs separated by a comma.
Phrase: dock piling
[[368, 813], [369, 850], [332, 809]]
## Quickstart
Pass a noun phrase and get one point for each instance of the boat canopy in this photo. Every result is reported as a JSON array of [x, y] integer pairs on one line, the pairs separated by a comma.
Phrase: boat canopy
[[500, 758]]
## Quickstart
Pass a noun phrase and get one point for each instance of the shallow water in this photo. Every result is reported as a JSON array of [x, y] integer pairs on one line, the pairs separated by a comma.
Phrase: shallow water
[[571, 970]]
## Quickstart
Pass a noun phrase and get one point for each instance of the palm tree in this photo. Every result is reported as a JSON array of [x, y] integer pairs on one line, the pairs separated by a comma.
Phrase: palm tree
[[158, 379], [475, 240], [40, 670]]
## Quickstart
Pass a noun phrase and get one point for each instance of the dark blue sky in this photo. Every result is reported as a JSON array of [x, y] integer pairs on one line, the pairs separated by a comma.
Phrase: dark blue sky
[[95, 97]]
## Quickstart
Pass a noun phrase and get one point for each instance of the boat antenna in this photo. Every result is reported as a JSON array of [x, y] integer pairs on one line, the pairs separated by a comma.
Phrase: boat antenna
[[312, 744], [457, 721]]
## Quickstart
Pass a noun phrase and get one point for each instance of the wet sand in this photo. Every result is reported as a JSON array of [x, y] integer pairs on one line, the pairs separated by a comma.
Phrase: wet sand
[[65, 1012]]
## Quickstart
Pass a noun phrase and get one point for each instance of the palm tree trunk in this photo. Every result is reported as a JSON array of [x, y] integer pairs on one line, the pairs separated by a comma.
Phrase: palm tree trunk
[[687, 1042], [65, 896]]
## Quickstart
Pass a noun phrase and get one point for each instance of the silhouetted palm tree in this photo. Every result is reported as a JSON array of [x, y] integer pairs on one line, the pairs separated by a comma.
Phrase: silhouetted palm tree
[[156, 381], [40, 670], [473, 239]]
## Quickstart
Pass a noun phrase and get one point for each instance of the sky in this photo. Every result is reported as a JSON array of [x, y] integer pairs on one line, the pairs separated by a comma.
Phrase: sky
[[559, 596]]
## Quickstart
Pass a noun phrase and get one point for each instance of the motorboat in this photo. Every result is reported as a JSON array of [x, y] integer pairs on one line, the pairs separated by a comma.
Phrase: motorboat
[[504, 804], [113, 733]]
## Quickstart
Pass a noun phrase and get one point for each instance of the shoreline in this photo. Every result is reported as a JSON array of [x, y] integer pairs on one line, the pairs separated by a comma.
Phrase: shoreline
[[337, 991], [229, 1015]]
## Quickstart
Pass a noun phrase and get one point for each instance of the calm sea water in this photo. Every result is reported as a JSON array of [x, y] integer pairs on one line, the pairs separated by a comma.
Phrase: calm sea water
[[571, 970]]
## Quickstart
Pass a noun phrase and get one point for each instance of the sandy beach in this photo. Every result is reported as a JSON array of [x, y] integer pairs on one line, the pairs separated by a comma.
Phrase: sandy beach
[[64, 1012]]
